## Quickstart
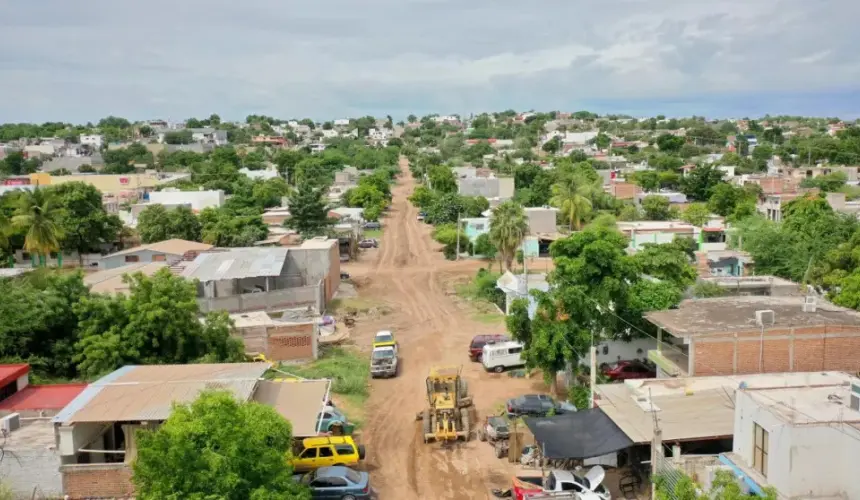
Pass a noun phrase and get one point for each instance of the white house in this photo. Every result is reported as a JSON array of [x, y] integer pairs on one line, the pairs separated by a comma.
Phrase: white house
[[342, 122], [800, 439], [198, 200], [95, 141], [329, 134]]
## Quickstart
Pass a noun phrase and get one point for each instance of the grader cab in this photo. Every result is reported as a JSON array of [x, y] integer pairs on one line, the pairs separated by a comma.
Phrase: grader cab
[[448, 415]]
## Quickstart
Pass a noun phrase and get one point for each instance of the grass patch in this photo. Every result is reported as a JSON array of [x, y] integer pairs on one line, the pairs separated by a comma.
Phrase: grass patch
[[348, 369], [488, 317], [352, 304], [372, 233]]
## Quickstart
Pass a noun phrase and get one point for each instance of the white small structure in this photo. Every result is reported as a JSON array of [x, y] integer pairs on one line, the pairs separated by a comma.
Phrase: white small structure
[[95, 141], [198, 200]]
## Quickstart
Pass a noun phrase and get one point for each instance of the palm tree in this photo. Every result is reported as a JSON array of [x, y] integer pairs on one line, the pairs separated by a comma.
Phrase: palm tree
[[38, 214], [572, 197], [508, 227]]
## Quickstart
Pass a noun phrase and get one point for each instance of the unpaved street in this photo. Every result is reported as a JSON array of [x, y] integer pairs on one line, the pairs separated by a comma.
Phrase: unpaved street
[[409, 275]]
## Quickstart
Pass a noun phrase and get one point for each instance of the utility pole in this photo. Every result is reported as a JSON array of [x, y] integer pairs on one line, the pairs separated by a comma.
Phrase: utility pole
[[458, 237], [593, 376]]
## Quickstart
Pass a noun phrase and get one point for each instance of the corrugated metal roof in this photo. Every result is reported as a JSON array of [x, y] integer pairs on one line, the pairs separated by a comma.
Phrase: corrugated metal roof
[[135, 393], [174, 247], [237, 264], [298, 401]]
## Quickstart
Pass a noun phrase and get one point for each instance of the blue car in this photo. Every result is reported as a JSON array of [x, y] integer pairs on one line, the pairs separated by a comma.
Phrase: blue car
[[338, 482]]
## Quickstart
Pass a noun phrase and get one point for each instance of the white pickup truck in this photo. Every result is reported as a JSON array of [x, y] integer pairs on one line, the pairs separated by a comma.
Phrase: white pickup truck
[[383, 361]]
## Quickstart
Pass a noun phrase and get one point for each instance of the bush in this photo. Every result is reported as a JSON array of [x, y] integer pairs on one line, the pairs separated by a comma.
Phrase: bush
[[485, 287], [348, 370]]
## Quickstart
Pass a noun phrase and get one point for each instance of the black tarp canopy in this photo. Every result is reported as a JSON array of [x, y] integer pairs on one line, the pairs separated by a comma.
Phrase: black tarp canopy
[[580, 435]]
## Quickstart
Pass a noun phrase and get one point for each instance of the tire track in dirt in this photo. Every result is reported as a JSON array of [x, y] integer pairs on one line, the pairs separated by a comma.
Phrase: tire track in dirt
[[409, 275]]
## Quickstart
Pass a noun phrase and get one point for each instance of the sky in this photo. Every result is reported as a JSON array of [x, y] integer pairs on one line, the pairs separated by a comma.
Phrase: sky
[[80, 60]]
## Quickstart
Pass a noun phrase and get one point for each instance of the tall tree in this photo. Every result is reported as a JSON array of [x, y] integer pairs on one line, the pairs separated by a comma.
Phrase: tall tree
[[700, 182], [204, 450], [82, 218], [156, 323], [656, 207], [38, 213], [508, 227], [569, 196], [308, 211], [153, 223]]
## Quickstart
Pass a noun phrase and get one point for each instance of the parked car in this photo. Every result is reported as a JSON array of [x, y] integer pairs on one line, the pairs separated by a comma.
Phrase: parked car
[[502, 355], [368, 243], [337, 482], [383, 361], [344, 257], [589, 486], [422, 216], [344, 276], [316, 452], [384, 338], [536, 405], [476, 347], [495, 428], [334, 421], [372, 225], [632, 369]]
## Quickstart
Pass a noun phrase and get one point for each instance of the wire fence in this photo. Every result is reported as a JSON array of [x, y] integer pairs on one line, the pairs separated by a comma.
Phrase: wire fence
[[667, 476]]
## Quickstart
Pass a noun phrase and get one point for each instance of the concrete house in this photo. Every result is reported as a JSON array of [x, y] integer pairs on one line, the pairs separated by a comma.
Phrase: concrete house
[[292, 337], [163, 251], [799, 440], [198, 200], [501, 188], [755, 334], [95, 433], [267, 278]]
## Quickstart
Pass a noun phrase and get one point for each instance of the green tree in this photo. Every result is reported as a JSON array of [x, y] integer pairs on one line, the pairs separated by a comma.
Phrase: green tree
[[570, 197], [82, 219], [203, 451], [442, 179], [696, 214], [700, 182], [552, 146], [656, 207], [508, 227], [287, 160], [226, 228], [178, 137], [670, 143], [649, 180], [153, 224], [308, 211], [483, 246], [423, 197], [666, 262], [39, 214], [725, 198], [156, 323]]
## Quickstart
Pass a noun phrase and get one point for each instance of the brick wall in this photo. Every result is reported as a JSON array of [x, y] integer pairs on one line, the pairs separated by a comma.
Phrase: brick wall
[[624, 190], [97, 481], [785, 350], [291, 343]]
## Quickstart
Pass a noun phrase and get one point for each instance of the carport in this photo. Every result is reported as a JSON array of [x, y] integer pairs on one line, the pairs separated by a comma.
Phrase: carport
[[577, 436]]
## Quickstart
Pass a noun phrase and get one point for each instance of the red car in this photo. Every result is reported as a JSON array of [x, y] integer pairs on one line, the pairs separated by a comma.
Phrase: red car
[[624, 370], [476, 347]]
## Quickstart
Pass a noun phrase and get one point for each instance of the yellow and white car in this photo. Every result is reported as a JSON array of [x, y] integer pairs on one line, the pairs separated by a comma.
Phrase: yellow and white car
[[384, 338]]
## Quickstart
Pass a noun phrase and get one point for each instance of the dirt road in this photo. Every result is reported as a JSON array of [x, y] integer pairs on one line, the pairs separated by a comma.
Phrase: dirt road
[[410, 275]]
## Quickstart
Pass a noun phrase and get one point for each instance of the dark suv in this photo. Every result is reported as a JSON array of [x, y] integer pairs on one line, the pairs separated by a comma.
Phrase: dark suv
[[536, 405], [476, 347]]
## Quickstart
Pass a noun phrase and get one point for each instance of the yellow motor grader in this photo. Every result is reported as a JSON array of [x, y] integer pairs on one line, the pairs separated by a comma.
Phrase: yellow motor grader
[[448, 415]]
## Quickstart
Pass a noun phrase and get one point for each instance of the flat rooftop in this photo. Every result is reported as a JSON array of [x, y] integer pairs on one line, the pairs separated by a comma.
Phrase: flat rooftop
[[814, 405], [655, 225], [726, 314], [694, 408]]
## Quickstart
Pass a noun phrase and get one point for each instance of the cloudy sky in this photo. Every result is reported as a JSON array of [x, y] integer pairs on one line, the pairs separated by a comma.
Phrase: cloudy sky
[[83, 59]]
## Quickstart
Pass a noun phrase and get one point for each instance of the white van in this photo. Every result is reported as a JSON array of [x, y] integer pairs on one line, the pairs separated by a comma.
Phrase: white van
[[497, 357]]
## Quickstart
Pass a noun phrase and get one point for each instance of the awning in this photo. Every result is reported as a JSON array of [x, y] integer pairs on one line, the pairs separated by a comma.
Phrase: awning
[[580, 435]]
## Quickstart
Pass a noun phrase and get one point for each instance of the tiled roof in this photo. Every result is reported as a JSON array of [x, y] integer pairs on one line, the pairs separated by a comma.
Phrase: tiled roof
[[42, 397]]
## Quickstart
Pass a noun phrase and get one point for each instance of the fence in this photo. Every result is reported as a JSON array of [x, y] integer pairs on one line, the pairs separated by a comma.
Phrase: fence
[[267, 301]]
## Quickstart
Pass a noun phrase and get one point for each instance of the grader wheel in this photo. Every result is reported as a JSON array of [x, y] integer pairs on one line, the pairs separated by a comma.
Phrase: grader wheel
[[464, 420], [426, 424]]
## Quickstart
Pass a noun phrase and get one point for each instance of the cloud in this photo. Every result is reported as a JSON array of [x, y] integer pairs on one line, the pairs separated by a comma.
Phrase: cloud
[[82, 60]]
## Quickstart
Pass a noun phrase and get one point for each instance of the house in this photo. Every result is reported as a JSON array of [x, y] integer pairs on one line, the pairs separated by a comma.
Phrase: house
[[111, 282], [162, 251], [722, 263], [798, 440], [674, 197], [624, 190], [28, 433], [693, 412], [276, 215], [292, 337], [769, 286], [267, 278], [346, 214], [501, 188], [475, 226], [656, 232], [755, 334], [95, 141], [518, 286], [262, 175], [110, 184], [838, 203], [95, 433], [342, 122], [465, 172], [347, 177], [542, 220], [199, 200], [771, 206]]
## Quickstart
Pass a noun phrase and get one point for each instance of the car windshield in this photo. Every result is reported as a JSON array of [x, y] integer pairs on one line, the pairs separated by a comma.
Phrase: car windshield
[[354, 477], [383, 354], [307, 478], [384, 338]]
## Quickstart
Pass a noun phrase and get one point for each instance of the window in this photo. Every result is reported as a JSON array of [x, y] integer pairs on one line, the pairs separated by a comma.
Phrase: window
[[515, 350], [309, 453], [132, 258], [479, 227], [336, 482], [760, 447], [326, 451], [159, 257], [344, 449]]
